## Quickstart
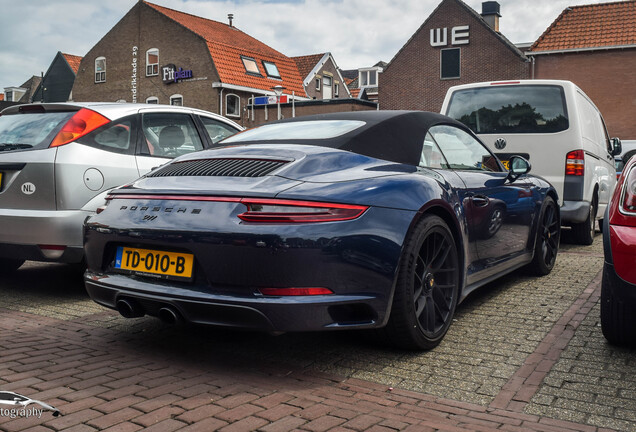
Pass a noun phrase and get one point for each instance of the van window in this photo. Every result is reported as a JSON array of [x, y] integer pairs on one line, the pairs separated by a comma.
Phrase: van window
[[511, 109]]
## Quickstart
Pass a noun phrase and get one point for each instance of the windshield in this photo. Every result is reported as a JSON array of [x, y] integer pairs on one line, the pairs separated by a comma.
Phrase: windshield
[[511, 109], [317, 129], [24, 131]]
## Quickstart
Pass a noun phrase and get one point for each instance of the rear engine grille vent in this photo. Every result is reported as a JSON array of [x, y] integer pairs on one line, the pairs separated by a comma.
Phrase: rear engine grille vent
[[219, 167]]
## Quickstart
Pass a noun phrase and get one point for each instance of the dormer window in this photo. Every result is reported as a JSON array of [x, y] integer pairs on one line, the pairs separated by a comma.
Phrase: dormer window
[[271, 69], [368, 78], [250, 66]]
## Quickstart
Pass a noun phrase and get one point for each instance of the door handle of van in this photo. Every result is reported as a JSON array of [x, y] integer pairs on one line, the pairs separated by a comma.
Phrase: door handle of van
[[480, 200]]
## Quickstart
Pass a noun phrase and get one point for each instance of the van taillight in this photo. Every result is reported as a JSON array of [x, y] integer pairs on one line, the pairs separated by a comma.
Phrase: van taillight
[[83, 122], [575, 163]]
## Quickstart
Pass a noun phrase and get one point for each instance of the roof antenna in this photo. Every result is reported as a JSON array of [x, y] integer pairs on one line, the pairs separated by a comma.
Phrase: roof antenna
[[230, 17]]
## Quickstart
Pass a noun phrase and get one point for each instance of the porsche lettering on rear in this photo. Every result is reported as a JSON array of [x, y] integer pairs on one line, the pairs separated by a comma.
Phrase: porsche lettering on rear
[[161, 209]]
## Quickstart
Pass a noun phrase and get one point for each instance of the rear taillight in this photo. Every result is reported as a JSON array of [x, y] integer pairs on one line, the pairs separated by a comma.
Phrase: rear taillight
[[264, 210], [575, 163], [289, 211], [83, 122], [281, 292], [627, 204]]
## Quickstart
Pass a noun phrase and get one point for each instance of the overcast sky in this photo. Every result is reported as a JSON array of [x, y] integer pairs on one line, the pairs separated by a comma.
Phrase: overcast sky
[[358, 33]]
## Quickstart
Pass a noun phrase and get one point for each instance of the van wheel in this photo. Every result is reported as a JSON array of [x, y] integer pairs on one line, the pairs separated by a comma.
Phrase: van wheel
[[584, 232], [8, 265]]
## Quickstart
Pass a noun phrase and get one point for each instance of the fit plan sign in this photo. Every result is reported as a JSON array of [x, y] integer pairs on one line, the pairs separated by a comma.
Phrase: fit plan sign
[[171, 74]]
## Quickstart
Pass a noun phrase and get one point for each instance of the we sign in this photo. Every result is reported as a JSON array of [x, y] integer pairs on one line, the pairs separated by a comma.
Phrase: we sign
[[459, 36]]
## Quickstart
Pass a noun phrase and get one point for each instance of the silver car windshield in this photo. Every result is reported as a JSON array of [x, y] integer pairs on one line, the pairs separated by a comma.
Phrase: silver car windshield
[[318, 129], [23, 131]]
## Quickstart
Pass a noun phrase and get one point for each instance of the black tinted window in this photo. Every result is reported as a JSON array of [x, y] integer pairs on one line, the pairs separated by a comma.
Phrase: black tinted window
[[511, 109], [117, 136]]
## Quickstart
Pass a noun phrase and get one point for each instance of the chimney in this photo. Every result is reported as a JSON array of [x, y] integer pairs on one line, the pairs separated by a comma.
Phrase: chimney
[[490, 13], [230, 17]]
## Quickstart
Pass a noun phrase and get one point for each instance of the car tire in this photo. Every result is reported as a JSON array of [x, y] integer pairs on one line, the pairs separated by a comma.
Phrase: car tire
[[583, 232], [618, 319], [8, 265], [427, 287], [547, 242]]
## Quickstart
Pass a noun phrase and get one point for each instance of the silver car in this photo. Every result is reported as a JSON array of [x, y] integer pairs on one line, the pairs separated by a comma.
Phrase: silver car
[[58, 160]]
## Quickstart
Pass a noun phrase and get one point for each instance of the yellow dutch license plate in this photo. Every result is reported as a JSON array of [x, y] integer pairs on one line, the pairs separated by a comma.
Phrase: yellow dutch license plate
[[506, 164], [155, 263], [0, 181]]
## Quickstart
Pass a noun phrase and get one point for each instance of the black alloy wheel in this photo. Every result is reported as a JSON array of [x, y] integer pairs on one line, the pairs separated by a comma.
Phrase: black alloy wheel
[[427, 290], [548, 236]]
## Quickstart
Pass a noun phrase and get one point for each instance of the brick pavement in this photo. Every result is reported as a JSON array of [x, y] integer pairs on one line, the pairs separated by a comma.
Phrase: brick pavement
[[524, 355]]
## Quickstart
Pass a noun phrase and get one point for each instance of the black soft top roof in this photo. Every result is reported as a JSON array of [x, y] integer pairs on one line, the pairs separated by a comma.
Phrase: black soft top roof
[[395, 136]]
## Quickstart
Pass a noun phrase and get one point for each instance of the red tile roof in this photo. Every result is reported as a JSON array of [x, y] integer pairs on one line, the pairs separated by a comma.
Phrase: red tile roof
[[591, 26], [227, 45], [307, 63], [73, 61]]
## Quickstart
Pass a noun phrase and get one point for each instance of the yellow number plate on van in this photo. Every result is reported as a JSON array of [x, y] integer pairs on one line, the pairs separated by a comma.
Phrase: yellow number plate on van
[[153, 262]]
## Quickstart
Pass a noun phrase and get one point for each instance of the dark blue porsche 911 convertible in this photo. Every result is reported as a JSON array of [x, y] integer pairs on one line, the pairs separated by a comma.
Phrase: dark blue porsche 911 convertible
[[349, 220]]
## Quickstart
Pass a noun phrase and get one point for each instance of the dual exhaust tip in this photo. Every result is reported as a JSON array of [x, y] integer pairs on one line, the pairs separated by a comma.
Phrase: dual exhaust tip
[[129, 308]]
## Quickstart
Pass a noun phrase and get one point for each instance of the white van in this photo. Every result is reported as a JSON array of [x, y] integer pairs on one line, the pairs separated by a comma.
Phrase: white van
[[557, 128]]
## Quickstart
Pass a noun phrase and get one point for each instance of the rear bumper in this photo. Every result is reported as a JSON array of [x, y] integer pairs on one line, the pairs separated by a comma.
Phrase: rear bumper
[[22, 232], [575, 211], [271, 314]]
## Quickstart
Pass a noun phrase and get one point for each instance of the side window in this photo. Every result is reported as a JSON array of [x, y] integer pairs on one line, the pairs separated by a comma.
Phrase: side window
[[462, 151], [117, 136], [217, 130], [431, 155], [170, 134]]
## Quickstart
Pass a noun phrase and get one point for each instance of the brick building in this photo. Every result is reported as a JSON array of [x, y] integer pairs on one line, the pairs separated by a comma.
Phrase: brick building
[[455, 45], [321, 77], [158, 55], [594, 46]]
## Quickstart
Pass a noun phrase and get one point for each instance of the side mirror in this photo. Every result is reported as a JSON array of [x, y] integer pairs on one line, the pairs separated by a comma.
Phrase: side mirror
[[518, 167], [617, 147]]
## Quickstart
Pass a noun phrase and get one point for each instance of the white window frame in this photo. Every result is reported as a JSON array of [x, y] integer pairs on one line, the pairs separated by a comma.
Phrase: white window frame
[[152, 69], [152, 100], [175, 97], [318, 83], [100, 76], [336, 90], [238, 105]]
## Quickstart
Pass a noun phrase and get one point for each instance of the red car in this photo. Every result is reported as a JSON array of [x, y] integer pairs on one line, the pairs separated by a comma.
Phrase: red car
[[618, 289]]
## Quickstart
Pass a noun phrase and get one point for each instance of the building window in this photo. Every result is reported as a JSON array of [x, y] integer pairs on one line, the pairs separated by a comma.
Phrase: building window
[[152, 62], [318, 81], [336, 90], [152, 100], [176, 99], [449, 63], [8, 96], [250, 66], [100, 69], [232, 105], [271, 69], [368, 78]]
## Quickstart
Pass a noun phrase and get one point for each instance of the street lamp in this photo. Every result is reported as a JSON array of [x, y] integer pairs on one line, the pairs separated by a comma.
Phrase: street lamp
[[278, 91]]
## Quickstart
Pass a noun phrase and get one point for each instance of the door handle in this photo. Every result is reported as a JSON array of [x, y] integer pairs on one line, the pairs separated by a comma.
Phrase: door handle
[[480, 200]]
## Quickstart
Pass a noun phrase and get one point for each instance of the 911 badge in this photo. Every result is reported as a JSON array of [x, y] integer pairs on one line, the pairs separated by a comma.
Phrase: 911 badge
[[28, 188]]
